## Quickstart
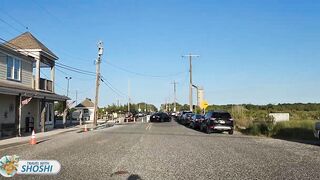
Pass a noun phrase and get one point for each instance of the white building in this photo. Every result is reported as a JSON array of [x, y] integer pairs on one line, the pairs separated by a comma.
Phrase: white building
[[86, 107], [200, 95], [278, 117]]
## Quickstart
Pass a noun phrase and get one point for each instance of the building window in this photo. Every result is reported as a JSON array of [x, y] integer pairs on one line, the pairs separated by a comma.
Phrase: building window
[[13, 68]]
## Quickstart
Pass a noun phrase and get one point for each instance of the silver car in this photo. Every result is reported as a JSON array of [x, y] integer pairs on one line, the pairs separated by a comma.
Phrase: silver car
[[316, 130]]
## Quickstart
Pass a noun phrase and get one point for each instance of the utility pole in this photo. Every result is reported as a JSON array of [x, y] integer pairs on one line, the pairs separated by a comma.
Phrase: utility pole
[[76, 97], [98, 62], [129, 96], [175, 96], [68, 79], [190, 83]]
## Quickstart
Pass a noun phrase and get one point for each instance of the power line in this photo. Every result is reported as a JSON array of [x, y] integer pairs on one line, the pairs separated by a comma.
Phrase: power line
[[10, 25], [73, 70], [141, 74], [77, 70], [115, 90], [113, 65], [47, 11], [56, 84], [67, 74], [14, 19], [89, 72]]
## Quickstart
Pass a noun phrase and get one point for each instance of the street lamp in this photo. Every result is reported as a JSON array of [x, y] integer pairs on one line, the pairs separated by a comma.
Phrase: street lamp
[[68, 78], [197, 93]]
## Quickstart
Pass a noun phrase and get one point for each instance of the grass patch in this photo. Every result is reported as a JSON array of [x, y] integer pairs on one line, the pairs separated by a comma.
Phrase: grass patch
[[258, 128], [294, 129]]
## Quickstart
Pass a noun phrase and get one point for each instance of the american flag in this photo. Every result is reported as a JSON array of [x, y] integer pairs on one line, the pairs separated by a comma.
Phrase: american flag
[[26, 101]]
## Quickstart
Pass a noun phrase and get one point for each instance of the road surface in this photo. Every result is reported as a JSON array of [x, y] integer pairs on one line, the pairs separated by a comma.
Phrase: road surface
[[171, 151]]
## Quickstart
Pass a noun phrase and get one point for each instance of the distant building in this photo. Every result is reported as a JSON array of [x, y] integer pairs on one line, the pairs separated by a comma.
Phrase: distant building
[[278, 117], [200, 95], [86, 107]]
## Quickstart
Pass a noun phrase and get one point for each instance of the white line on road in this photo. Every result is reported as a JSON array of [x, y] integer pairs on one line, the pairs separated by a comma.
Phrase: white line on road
[[148, 126]]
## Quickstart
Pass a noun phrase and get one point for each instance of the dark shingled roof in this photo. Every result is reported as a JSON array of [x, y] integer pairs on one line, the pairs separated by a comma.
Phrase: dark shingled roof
[[86, 103], [28, 41]]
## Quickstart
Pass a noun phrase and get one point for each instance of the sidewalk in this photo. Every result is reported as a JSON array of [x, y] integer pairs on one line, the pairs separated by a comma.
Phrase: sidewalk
[[41, 136]]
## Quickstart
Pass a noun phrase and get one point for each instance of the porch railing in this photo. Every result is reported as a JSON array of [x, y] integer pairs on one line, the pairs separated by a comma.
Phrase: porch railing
[[45, 84]]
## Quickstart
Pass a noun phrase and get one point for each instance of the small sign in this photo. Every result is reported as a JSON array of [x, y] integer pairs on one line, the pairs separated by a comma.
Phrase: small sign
[[204, 104]]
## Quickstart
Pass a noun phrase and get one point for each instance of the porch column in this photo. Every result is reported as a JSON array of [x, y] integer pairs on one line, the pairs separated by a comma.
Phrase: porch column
[[37, 121], [43, 115], [37, 84], [53, 76], [16, 114], [20, 114]]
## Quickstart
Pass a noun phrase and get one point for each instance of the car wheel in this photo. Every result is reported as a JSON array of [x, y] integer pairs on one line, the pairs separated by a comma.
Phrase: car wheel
[[230, 132], [208, 131]]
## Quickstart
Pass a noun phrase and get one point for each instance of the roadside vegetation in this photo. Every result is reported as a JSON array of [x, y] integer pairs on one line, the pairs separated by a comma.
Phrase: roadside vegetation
[[254, 119]]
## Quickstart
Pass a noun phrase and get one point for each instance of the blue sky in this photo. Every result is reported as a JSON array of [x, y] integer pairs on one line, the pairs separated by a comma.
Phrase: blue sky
[[252, 51]]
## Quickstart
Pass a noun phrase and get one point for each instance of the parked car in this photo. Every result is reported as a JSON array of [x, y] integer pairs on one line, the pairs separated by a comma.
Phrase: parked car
[[196, 121], [140, 115], [160, 117], [316, 130], [173, 114], [179, 119], [129, 117], [186, 119], [217, 121]]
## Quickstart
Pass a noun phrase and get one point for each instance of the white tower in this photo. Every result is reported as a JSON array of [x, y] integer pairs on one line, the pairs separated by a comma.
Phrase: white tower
[[200, 95]]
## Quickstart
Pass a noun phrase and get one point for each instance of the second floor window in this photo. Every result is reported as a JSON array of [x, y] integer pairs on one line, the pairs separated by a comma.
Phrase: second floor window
[[13, 68]]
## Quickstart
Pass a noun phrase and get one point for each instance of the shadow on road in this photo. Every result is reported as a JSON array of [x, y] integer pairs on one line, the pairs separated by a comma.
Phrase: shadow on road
[[309, 142], [134, 177], [43, 140]]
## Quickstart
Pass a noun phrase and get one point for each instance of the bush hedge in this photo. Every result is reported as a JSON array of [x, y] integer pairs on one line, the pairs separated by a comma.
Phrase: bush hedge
[[293, 129]]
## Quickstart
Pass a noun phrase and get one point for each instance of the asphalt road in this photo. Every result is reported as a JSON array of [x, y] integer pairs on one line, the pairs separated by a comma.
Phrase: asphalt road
[[171, 151]]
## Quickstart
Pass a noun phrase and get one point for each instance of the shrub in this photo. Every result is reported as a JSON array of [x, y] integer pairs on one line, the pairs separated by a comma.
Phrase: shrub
[[259, 128], [294, 129]]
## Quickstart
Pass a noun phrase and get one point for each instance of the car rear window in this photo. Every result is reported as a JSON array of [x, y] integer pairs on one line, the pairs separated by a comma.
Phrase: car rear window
[[221, 115], [189, 115], [198, 116], [186, 112]]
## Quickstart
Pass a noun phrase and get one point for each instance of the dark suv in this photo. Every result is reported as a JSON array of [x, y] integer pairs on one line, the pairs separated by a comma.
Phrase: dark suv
[[217, 121]]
